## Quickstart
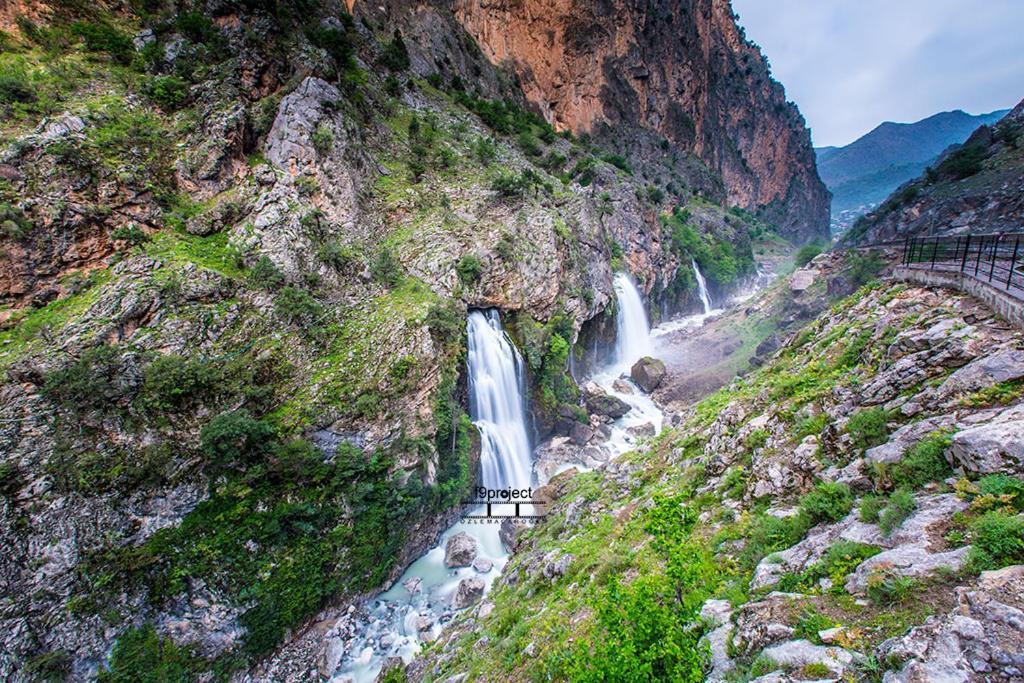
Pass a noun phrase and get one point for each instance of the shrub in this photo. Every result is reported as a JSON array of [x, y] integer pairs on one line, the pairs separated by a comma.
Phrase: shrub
[[469, 269], [810, 622], [199, 28], [964, 162], [236, 439], [485, 150], [864, 266], [102, 37], [297, 306], [336, 254], [828, 502], [868, 427], [323, 138], [901, 504], [15, 85], [1006, 488], [395, 56], [10, 478], [386, 269], [444, 322], [998, 540], [92, 381], [506, 247], [923, 462], [170, 381], [13, 221], [334, 41], [870, 508], [169, 92], [51, 666], [511, 185], [142, 656], [265, 274], [131, 233], [887, 588], [618, 161], [807, 253]]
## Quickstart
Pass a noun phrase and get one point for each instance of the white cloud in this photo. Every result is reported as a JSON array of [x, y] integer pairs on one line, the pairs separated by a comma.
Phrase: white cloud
[[851, 65]]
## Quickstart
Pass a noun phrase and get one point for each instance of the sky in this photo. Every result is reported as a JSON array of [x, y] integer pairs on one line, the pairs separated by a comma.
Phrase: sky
[[851, 64]]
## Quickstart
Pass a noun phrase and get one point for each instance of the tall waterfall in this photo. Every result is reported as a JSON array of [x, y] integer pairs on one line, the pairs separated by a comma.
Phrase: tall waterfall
[[633, 331], [702, 287], [496, 405]]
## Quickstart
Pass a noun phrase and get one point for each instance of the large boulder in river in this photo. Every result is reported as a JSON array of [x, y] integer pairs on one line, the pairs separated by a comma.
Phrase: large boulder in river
[[469, 591], [648, 373], [599, 402], [460, 550]]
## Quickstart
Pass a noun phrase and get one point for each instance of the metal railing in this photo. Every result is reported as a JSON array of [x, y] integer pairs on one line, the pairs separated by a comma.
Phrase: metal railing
[[995, 259]]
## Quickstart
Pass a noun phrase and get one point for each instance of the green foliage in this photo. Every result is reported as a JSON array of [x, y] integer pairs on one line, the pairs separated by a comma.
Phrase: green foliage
[[828, 502], [236, 439], [506, 247], [142, 656], [998, 540], [336, 254], [864, 266], [265, 274], [756, 439], [51, 667], [323, 138], [900, 505], [199, 29], [964, 162], [485, 150], [335, 42], [501, 116], [720, 260], [888, 588], [767, 534], [810, 623], [871, 507], [130, 233], [618, 161], [868, 427], [511, 185], [841, 558], [1002, 393], [444, 322], [469, 268], [923, 462], [807, 253], [102, 37], [655, 194], [387, 269], [813, 425], [13, 222], [171, 382], [16, 86], [1004, 487], [91, 381], [10, 478], [297, 306], [395, 55]]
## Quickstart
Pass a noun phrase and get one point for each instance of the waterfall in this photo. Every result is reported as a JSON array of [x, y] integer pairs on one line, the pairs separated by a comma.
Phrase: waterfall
[[632, 330], [496, 405], [702, 287]]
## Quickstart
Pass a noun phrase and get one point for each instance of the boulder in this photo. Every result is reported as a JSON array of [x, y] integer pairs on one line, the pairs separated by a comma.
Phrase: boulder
[[1003, 366], [509, 532], [469, 591], [647, 373], [764, 622], [331, 657], [581, 434], [796, 654], [994, 447], [482, 565], [600, 402], [460, 550]]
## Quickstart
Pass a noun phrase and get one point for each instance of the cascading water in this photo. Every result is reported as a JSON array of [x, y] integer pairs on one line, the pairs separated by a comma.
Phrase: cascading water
[[702, 288], [496, 391], [632, 330], [415, 608]]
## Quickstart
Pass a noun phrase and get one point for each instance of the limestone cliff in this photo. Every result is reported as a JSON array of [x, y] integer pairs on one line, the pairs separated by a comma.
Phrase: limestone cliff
[[679, 68]]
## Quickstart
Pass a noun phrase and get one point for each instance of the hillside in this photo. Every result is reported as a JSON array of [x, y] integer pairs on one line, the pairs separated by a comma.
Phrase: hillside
[[866, 171], [976, 187], [240, 245]]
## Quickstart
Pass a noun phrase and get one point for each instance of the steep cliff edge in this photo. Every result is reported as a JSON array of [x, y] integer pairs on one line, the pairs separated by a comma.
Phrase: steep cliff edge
[[681, 69]]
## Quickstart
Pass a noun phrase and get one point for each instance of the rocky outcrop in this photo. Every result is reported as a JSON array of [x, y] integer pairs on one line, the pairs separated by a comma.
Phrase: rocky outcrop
[[647, 373], [681, 69], [460, 551]]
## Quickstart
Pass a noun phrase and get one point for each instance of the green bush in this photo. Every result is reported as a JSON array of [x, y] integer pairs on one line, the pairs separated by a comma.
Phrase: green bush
[[386, 269], [964, 162], [900, 505], [807, 253], [923, 462], [168, 92], [887, 588], [10, 478], [395, 55], [92, 381], [236, 439], [338, 255], [864, 266], [618, 161], [469, 268], [170, 382], [297, 306], [54, 666], [868, 427], [142, 656], [265, 274], [444, 322], [15, 84], [323, 138], [827, 502], [512, 185], [102, 37], [998, 540], [1003, 486], [870, 507], [810, 623], [13, 222]]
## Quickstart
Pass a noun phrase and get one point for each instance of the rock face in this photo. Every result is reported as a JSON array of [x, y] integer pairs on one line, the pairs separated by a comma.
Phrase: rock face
[[601, 403], [994, 447], [460, 550], [681, 69], [648, 373]]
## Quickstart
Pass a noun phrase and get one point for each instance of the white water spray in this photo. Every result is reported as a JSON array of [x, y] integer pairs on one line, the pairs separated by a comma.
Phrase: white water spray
[[423, 594], [632, 329], [496, 391], [702, 288]]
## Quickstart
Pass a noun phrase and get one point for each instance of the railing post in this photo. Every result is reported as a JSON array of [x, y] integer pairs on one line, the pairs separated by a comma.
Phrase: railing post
[[935, 250], [967, 248], [906, 254], [977, 262], [1013, 262], [995, 255]]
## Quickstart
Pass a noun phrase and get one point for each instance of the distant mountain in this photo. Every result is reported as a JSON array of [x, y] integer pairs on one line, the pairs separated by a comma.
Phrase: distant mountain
[[976, 187], [866, 171]]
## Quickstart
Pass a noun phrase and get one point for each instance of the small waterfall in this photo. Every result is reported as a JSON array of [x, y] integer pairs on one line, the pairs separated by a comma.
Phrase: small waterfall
[[632, 329], [702, 287], [496, 404]]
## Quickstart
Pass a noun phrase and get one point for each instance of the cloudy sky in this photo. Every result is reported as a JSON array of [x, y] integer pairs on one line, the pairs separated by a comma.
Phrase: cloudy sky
[[851, 64]]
